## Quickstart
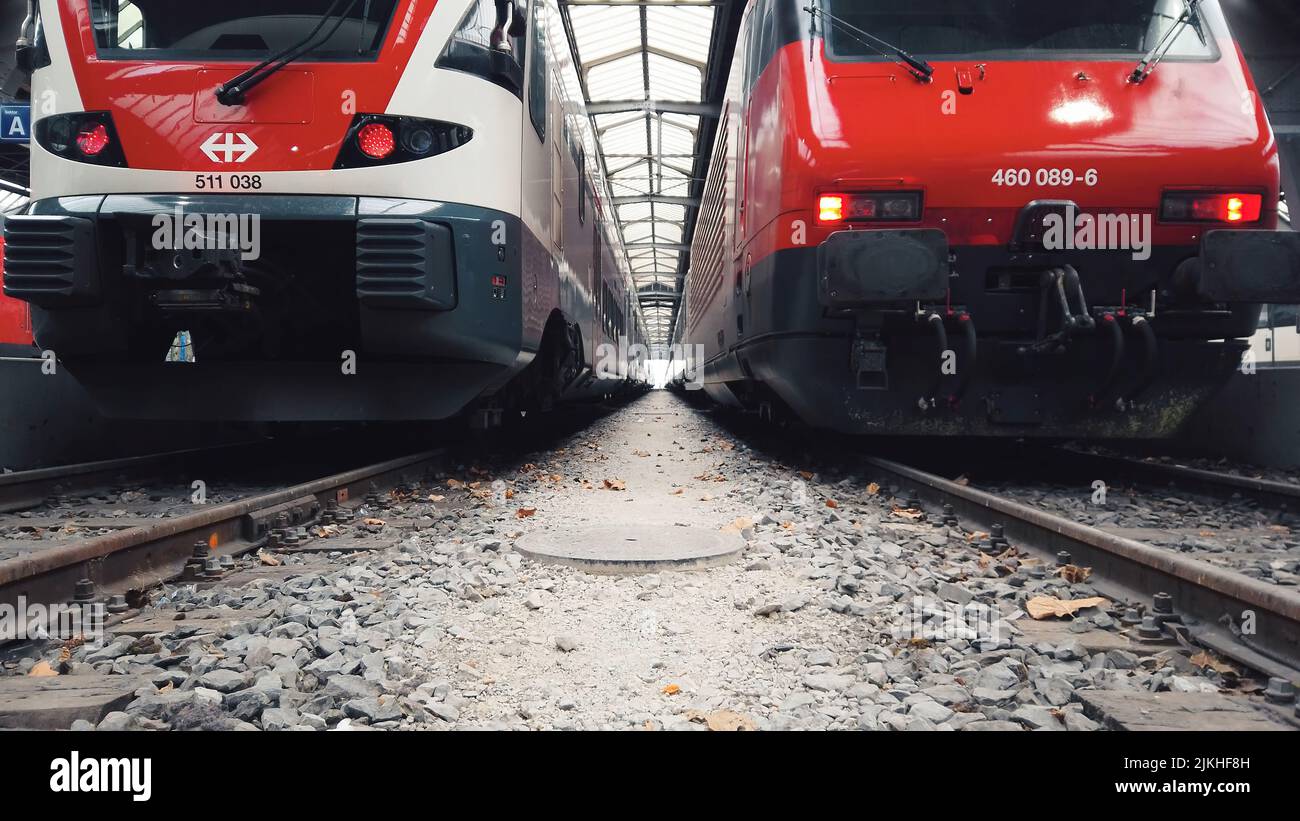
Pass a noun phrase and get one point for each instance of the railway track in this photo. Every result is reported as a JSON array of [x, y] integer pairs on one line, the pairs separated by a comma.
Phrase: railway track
[[1167, 596], [99, 557]]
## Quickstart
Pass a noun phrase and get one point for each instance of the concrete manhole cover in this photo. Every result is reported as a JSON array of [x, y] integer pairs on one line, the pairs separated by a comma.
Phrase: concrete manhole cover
[[633, 548]]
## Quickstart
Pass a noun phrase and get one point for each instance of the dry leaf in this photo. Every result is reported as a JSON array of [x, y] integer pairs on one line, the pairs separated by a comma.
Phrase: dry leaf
[[908, 513], [832, 503], [374, 522], [325, 531], [640, 453], [167, 688], [787, 525], [738, 525], [510, 493], [529, 467], [615, 484], [475, 485], [433, 497], [961, 480], [455, 484], [677, 491], [1207, 534], [1074, 574], [706, 498], [525, 512], [671, 690], [267, 559], [977, 536], [1206, 659], [42, 669], [806, 474], [1040, 607], [873, 489], [722, 721]]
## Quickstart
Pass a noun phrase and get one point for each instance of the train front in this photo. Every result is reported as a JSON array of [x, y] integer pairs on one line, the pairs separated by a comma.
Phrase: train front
[[273, 209], [1028, 218]]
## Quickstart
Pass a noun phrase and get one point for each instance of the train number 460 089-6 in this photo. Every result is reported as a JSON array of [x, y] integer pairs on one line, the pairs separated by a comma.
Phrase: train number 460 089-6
[[1023, 177]]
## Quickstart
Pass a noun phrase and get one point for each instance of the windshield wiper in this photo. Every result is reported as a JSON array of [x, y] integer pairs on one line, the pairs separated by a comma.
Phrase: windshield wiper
[[1191, 16], [235, 90], [920, 69]]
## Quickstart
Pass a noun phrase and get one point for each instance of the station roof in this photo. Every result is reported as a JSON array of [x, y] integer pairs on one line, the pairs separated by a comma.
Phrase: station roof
[[653, 73]]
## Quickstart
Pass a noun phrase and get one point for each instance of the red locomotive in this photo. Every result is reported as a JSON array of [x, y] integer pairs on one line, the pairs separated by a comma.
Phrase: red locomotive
[[986, 217]]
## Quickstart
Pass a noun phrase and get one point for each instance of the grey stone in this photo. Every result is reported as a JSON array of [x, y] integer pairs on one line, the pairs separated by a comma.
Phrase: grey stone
[[820, 658], [348, 688], [566, 644], [948, 694], [279, 718], [993, 727], [247, 705], [223, 681], [444, 711], [116, 722], [373, 709], [828, 682], [931, 711], [1037, 718]]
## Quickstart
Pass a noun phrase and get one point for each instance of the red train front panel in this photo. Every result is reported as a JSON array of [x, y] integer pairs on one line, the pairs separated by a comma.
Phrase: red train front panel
[[1006, 243]]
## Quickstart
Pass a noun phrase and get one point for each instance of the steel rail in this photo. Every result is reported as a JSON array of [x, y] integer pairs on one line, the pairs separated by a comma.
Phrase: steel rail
[[1264, 491], [1203, 594], [140, 557], [27, 488]]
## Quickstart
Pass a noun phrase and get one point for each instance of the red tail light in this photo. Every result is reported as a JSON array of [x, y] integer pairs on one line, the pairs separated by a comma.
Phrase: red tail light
[[92, 139], [1198, 206], [879, 206], [830, 208], [376, 140]]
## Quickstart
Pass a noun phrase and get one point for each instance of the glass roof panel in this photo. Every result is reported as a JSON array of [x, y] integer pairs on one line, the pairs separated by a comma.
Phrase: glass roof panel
[[654, 52]]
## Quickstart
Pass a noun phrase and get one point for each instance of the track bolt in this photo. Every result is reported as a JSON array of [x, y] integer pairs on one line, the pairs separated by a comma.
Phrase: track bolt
[[1280, 691], [227, 562], [1063, 558], [275, 538], [1131, 617], [949, 516], [83, 592], [117, 604], [997, 537], [212, 567], [200, 550], [1150, 630], [1162, 607], [291, 539]]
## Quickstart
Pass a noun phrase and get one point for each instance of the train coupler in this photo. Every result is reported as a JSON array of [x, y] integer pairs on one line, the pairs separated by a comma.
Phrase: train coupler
[[869, 361]]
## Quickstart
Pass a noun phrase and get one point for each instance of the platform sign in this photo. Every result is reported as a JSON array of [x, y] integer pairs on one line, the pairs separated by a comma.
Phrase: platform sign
[[15, 123]]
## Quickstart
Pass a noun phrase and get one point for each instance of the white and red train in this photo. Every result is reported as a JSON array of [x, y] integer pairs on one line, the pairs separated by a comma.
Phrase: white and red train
[[985, 217], [430, 229]]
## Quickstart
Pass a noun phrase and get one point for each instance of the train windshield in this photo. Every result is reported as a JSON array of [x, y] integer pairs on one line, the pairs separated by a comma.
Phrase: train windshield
[[237, 29], [1016, 29]]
